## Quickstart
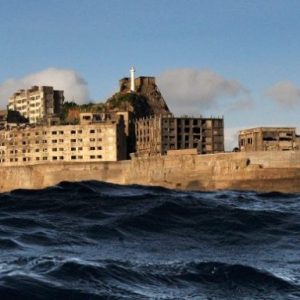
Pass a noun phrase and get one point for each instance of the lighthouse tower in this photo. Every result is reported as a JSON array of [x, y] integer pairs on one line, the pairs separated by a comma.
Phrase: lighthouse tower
[[132, 84]]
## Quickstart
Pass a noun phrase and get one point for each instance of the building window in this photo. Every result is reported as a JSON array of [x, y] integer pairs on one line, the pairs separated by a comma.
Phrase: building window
[[92, 157], [92, 131], [61, 149], [92, 148], [37, 158], [73, 140], [79, 148], [73, 157], [80, 131], [92, 140], [73, 148], [54, 132], [54, 141], [99, 148], [73, 131], [99, 156], [54, 157], [45, 158], [61, 132], [54, 149], [61, 158], [80, 157], [37, 150]]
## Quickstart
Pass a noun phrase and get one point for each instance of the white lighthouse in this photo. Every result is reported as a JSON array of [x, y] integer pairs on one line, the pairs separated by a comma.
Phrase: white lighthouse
[[132, 85]]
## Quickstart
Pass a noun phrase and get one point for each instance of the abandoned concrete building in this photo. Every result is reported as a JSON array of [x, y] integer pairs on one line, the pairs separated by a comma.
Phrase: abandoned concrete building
[[159, 134], [268, 139], [110, 134], [37, 103], [101, 140], [3, 114]]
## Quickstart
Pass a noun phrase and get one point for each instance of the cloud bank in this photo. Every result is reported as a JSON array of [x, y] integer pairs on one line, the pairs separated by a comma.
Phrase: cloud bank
[[231, 138], [192, 89], [71, 82], [284, 93]]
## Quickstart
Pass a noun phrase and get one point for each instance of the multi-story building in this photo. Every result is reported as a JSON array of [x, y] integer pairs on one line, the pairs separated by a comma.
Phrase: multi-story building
[[3, 115], [158, 134], [37, 103], [268, 138], [103, 140]]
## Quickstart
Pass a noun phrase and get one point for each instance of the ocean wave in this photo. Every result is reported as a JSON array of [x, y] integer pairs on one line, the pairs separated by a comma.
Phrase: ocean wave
[[94, 240], [77, 279]]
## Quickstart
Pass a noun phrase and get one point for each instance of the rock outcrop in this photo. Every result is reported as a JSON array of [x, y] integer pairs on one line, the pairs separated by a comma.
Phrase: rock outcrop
[[146, 100]]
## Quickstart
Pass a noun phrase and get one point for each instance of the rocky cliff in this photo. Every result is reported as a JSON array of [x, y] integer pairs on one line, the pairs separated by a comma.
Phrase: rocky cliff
[[146, 100]]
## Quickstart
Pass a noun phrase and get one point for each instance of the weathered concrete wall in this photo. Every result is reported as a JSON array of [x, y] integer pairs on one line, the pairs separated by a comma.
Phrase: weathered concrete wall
[[39, 176], [261, 171]]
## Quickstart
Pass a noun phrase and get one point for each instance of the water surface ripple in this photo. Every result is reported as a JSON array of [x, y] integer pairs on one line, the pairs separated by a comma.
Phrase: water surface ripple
[[94, 240]]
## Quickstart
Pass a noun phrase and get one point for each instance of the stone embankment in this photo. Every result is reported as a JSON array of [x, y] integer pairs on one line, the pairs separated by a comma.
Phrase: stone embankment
[[259, 171]]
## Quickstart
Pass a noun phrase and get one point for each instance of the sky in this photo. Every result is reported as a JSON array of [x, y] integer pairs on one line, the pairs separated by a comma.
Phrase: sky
[[235, 58]]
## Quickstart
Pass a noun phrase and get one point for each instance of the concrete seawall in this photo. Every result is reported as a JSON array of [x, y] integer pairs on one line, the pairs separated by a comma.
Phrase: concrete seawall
[[260, 171]]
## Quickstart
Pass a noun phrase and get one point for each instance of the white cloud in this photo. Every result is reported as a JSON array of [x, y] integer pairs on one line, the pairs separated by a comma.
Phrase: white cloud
[[188, 89], [284, 93], [74, 86], [231, 138]]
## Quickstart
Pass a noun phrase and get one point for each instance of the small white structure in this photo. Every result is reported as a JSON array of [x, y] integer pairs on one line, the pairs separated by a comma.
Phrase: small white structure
[[132, 85]]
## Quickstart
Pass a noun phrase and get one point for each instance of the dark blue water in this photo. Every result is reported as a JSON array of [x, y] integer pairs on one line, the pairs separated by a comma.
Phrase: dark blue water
[[93, 240]]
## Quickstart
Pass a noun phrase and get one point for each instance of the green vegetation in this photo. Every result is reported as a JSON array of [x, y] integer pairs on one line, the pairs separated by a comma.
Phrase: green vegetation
[[119, 100], [89, 107], [92, 107], [133, 102], [65, 110]]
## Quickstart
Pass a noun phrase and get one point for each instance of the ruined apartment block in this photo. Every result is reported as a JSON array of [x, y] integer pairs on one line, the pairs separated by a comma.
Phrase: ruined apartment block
[[3, 116], [89, 142], [37, 103], [268, 139], [159, 134]]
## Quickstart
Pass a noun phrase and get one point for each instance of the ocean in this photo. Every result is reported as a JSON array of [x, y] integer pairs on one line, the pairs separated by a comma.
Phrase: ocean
[[94, 240]]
